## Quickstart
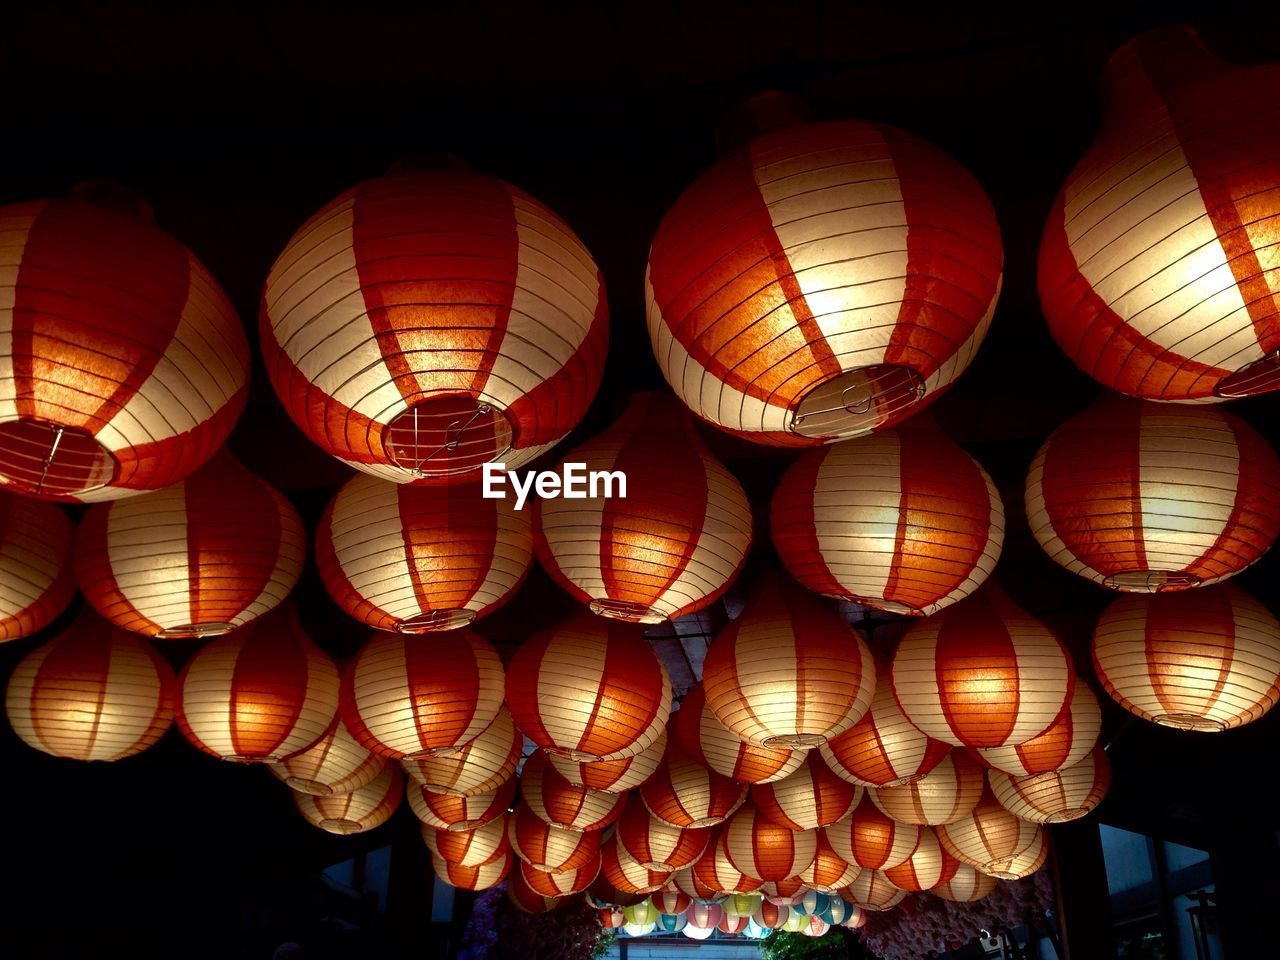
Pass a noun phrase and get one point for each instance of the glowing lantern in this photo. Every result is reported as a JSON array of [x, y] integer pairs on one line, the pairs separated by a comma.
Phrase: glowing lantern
[[333, 764], [259, 694], [950, 791], [1027, 862], [714, 745], [125, 366], [423, 324], [541, 845], [812, 903], [560, 883], [671, 901], [589, 689], [672, 544], [480, 766], [928, 866], [871, 890], [817, 927], [1148, 497], [560, 803], [829, 871], [698, 933], [796, 922], [741, 904], [1059, 795], [687, 882], [1156, 270], [811, 797], [983, 673], [771, 916], [1204, 660], [684, 793], [528, 900], [639, 929], [837, 910], [672, 923], [449, 811], [469, 848], [621, 870], [656, 844], [407, 697], [967, 885], [856, 917], [788, 673], [759, 847], [705, 914], [611, 918], [871, 839], [36, 581], [1067, 741], [418, 559], [883, 749], [358, 811], [94, 692], [732, 925], [615, 776], [989, 838], [904, 521], [483, 877], [717, 872], [783, 892], [644, 912]]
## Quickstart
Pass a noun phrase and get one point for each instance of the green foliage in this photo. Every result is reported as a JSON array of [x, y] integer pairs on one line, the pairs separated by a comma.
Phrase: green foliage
[[835, 944]]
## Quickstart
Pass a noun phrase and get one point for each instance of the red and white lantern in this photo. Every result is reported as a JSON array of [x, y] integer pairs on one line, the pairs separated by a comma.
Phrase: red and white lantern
[[771, 916], [671, 902], [1056, 796], [714, 745], [1067, 741], [990, 838], [36, 579], [829, 871], [541, 845], [624, 872], [557, 801], [967, 885], [715, 871], [811, 797], [525, 898], [704, 914], [479, 766], [482, 877], [469, 848], [615, 776], [946, 794], [759, 847], [871, 839], [685, 794], [656, 844], [358, 811], [333, 764], [451, 811], [871, 890], [884, 748], [560, 883], [928, 866]]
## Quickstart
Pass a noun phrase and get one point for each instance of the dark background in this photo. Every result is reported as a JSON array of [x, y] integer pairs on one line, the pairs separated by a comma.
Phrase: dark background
[[236, 127]]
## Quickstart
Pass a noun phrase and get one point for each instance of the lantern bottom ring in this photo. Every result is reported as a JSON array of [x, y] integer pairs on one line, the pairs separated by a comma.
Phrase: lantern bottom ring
[[436, 620], [794, 741], [447, 435], [994, 870], [195, 631], [41, 458], [345, 827], [902, 781], [888, 606], [577, 756], [441, 788], [1189, 721], [626, 611], [1067, 816], [1260, 376], [313, 787], [703, 822], [472, 824], [1150, 581], [856, 402]]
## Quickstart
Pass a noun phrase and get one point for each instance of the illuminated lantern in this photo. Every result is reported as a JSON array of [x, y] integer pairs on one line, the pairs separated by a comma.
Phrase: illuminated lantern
[[817, 927], [425, 323], [1059, 795], [949, 792], [333, 764], [541, 845], [259, 694], [714, 745], [92, 693], [754, 931], [656, 844], [823, 281], [836, 911], [36, 580], [871, 839], [812, 903], [449, 811], [871, 890], [526, 899], [989, 838], [560, 883], [796, 922], [829, 871], [1149, 497], [1205, 660], [967, 885], [672, 544], [469, 848], [1023, 864], [124, 364], [685, 794], [811, 797], [480, 766], [759, 847], [644, 912], [672, 923], [621, 870], [783, 892], [883, 749], [928, 866], [362, 809], [687, 882], [1067, 741], [560, 803], [698, 933], [671, 901], [983, 673], [639, 929], [788, 673], [418, 559], [615, 776], [732, 925], [483, 877], [771, 916], [611, 918], [408, 697], [856, 917], [742, 904], [717, 872], [589, 689], [705, 914], [1156, 270], [903, 521]]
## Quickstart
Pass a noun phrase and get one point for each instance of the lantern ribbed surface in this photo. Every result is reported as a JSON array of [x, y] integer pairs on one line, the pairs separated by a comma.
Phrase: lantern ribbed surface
[[771, 916], [989, 838], [560, 883], [684, 793], [785, 892], [1030, 859], [362, 809], [836, 912], [469, 848], [449, 811], [124, 364], [829, 871], [928, 866], [822, 281], [949, 792], [1157, 270], [798, 921], [333, 764], [733, 925], [423, 324], [200, 558], [1204, 660], [479, 766], [812, 902], [811, 797], [687, 882], [418, 559], [421, 697], [615, 776], [560, 803], [872, 890], [589, 689], [525, 898], [694, 932], [1057, 796], [983, 673], [672, 922], [671, 901], [856, 917], [714, 745], [677, 539], [626, 873], [541, 845], [759, 847], [473, 878], [967, 885], [36, 577], [715, 871], [903, 521], [1147, 497], [871, 839], [259, 694], [94, 692], [883, 749], [1067, 741], [656, 844], [611, 918], [788, 673], [817, 927], [741, 904], [705, 914], [643, 912]]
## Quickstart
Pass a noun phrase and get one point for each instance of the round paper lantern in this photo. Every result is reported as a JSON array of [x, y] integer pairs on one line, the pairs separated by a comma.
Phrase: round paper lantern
[[788, 673], [449, 811], [479, 766], [615, 776], [903, 521], [829, 871], [672, 923], [716, 871], [759, 847], [741, 904], [541, 845], [836, 911], [639, 929], [197, 559], [796, 922], [560, 883], [1067, 741], [1147, 497], [621, 870], [643, 912], [656, 844], [732, 925], [783, 892], [989, 838], [668, 547], [469, 848], [526, 899], [560, 803], [753, 930], [670, 901], [983, 673], [871, 839], [417, 559], [871, 890], [950, 791], [883, 749], [358, 811], [714, 745], [705, 914], [423, 324], [967, 885], [407, 697], [589, 689], [125, 366], [817, 927], [333, 764], [928, 866], [771, 916], [1155, 271], [856, 917], [1024, 864], [812, 903], [698, 933], [1205, 660], [611, 918], [259, 694], [684, 793], [36, 579], [822, 281], [482, 877], [687, 882], [1057, 796], [92, 693], [811, 797]]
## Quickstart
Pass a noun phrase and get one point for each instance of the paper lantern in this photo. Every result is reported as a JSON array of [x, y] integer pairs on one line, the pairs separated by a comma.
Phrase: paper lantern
[[684, 793], [528, 900], [541, 845], [358, 811], [856, 917], [1056, 796], [479, 766], [983, 673], [928, 866], [94, 692], [788, 673], [829, 871], [812, 902], [644, 912], [672, 923], [825, 280], [622, 870], [705, 914], [883, 749], [950, 791], [989, 837], [714, 745], [560, 883], [672, 544], [417, 559], [671, 901], [36, 579], [783, 892], [656, 844], [687, 882], [615, 776], [259, 694], [871, 839], [611, 918], [1067, 741], [1156, 270], [759, 847], [796, 922], [469, 848], [811, 797], [741, 904], [731, 925], [409, 697], [589, 689], [1024, 864], [423, 324], [483, 877], [125, 366], [817, 927], [717, 872], [1146, 497], [771, 916], [1204, 660], [871, 890], [639, 929], [903, 521], [333, 764], [698, 933], [197, 559], [557, 801], [450, 811], [967, 885]]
